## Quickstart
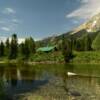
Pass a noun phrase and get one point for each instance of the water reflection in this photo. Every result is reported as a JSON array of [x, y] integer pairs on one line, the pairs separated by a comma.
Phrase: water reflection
[[20, 80], [52, 81], [84, 86]]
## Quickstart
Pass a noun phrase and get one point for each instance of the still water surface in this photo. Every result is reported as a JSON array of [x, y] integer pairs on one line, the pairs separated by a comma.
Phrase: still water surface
[[51, 82]]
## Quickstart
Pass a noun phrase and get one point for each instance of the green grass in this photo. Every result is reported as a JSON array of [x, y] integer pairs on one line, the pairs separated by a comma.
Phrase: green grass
[[52, 56], [87, 57], [80, 57]]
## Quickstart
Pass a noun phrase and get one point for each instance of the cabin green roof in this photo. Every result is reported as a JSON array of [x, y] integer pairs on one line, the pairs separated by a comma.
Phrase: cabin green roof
[[46, 49]]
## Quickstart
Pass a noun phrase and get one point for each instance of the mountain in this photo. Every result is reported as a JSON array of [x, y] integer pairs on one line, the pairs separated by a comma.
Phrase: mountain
[[91, 27]]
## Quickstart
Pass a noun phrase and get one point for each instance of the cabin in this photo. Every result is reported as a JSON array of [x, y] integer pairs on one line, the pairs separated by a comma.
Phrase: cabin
[[47, 49]]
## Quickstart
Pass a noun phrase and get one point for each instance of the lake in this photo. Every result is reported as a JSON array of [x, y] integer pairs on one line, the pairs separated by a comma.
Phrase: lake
[[50, 81]]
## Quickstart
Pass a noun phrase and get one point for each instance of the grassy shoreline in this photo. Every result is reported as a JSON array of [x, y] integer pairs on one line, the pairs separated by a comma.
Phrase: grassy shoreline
[[79, 57], [91, 57]]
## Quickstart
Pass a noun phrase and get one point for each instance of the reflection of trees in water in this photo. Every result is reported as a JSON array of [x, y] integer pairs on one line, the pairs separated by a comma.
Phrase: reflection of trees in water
[[20, 79], [2, 91], [80, 84], [13, 76], [67, 68], [1, 71], [2, 75], [27, 75], [12, 73]]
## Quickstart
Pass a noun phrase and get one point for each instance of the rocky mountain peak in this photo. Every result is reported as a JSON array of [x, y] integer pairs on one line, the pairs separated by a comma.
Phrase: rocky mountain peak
[[93, 25]]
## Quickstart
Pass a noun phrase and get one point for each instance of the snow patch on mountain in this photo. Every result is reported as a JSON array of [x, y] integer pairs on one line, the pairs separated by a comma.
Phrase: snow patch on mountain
[[94, 23]]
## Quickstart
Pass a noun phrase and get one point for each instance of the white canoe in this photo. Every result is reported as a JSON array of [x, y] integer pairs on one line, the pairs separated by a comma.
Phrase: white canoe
[[71, 74]]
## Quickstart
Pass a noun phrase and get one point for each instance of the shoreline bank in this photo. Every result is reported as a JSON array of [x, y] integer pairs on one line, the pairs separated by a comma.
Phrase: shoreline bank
[[47, 62]]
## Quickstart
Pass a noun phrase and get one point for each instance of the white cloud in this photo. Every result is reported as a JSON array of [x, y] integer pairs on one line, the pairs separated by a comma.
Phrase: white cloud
[[83, 1], [20, 40], [37, 39], [5, 29], [16, 21], [9, 25], [2, 39], [88, 9], [9, 11]]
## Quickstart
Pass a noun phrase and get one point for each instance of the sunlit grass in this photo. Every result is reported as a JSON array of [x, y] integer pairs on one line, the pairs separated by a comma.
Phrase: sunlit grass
[[87, 57]]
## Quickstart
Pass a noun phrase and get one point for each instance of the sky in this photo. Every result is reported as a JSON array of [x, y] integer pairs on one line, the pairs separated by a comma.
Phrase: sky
[[43, 18]]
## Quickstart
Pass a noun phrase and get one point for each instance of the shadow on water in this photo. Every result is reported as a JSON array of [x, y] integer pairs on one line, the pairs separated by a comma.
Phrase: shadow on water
[[19, 80]]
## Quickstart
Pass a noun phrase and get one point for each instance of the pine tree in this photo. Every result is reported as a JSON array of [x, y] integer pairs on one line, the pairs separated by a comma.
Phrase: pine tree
[[2, 49], [26, 49], [7, 47], [66, 49], [13, 47], [22, 49], [32, 45], [87, 43], [79, 46], [96, 42]]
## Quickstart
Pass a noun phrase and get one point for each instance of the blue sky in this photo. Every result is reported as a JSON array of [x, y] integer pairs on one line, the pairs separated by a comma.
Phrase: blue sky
[[43, 18]]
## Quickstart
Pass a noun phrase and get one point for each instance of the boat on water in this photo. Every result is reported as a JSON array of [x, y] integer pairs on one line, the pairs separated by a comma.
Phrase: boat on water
[[71, 74], [81, 75]]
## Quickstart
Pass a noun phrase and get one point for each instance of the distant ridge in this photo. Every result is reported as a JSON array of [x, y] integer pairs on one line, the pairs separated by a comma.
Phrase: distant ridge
[[91, 27]]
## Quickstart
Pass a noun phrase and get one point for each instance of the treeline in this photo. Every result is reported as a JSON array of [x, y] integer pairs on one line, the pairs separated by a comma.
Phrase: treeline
[[83, 43], [12, 50], [75, 44]]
